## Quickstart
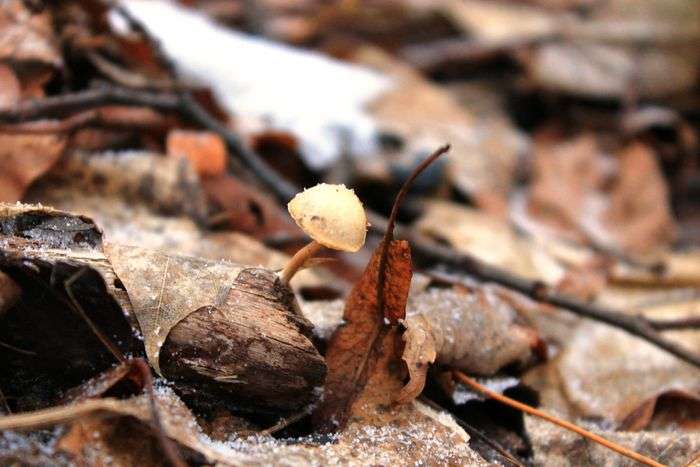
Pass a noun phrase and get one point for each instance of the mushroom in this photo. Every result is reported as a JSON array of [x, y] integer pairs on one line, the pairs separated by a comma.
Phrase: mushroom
[[333, 216]]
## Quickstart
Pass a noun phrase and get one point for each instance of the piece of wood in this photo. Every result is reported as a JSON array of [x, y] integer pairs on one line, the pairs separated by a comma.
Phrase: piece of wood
[[252, 350], [253, 347]]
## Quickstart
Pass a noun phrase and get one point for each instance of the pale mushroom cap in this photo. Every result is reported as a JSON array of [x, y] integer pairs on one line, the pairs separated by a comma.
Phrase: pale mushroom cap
[[332, 215]]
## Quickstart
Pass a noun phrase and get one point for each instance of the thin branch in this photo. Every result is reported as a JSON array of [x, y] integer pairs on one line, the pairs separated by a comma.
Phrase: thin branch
[[108, 117], [691, 322], [66, 104], [284, 191], [76, 306], [557, 421], [538, 291]]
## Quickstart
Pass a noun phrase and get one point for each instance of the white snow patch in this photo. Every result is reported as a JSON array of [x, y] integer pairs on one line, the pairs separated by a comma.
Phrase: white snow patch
[[318, 99]]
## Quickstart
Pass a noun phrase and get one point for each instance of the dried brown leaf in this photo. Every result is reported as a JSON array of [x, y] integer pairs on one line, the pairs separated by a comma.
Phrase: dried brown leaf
[[361, 349], [477, 331], [605, 373], [239, 206], [24, 158], [581, 194], [10, 89], [671, 410]]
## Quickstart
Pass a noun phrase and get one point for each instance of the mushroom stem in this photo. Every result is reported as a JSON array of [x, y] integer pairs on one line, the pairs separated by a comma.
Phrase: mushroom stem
[[298, 260]]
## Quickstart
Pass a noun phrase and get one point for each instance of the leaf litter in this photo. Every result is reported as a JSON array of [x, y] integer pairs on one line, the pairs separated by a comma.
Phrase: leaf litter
[[551, 179]]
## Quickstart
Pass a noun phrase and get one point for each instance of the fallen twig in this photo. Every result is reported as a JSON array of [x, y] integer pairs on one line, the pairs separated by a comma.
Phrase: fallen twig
[[557, 421], [189, 108]]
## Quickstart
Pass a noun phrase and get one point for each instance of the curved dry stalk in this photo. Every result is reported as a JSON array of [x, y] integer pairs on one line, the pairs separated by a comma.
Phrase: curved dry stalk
[[298, 261], [557, 421]]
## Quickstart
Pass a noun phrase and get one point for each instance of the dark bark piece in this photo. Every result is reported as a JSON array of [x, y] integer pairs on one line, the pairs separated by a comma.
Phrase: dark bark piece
[[253, 350], [253, 346], [49, 346]]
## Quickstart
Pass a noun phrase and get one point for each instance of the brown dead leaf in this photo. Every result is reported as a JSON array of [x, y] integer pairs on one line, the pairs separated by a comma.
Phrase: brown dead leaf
[[10, 89], [477, 332], [360, 350], [205, 150], [606, 373], [41, 249], [27, 36], [24, 158], [581, 194], [239, 206], [671, 410], [419, 352], [638, 217]]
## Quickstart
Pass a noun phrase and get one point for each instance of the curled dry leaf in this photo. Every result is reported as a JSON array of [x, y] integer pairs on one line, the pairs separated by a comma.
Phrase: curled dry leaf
[[10, 89], [671, 410], [607, 374], [27, 36], [242, 207], [52, 254], [419, 352], [477, 332]]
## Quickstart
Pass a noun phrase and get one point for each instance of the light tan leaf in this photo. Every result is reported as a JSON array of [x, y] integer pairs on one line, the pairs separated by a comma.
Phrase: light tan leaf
[[605, 373], [419, 352], [164, 289], [477, 332]]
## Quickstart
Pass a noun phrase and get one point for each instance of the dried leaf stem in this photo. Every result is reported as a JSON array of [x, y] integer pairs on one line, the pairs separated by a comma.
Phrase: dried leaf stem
[[557, 421]]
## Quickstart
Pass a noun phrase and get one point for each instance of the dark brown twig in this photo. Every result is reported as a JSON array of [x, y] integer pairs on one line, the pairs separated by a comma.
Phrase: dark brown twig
[[283, 190], [389, 231], [68, 104], [691, 322], [540, 292]]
